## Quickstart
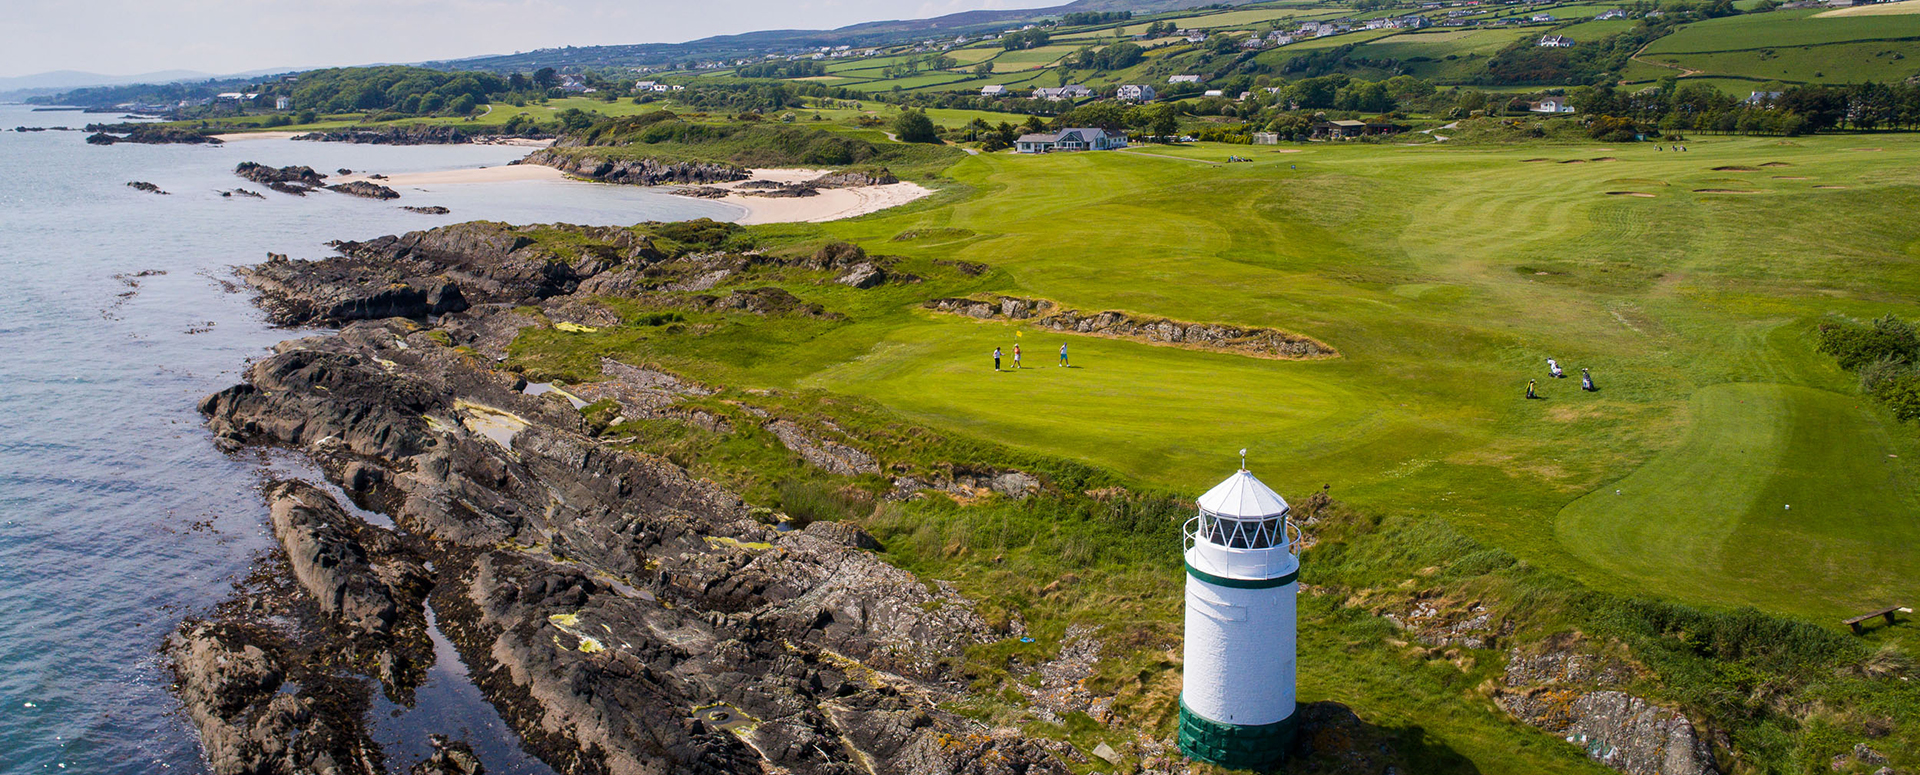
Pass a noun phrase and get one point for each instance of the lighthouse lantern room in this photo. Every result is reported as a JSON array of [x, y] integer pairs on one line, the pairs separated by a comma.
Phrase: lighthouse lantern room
[[1237, 696]]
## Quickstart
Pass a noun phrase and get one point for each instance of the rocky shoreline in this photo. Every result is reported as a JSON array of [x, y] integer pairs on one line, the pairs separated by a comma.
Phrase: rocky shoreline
[[624, 616], [1256, 342]]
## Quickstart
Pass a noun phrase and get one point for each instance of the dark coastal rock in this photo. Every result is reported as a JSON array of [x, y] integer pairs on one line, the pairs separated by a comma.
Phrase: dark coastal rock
[[701, 192], [428, 210], [243, 192], [413, 134], [1258, 342], [450, 757], [230, 688], [1565, 685], [287, 180], [362, 577], [855, 179], [147, 134], [638, 172], [365, 189], [622, 614], [436, 271], [141, 185]]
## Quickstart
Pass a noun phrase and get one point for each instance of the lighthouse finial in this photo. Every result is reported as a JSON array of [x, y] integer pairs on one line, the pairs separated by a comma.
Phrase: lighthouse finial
[[1243, 459]]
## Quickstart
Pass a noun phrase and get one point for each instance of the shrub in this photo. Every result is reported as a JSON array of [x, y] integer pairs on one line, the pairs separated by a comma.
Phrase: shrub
[[913, 126], [1855, 345]]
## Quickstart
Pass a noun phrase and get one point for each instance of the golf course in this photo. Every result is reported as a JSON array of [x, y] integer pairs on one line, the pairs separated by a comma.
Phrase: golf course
[[1721, 461]]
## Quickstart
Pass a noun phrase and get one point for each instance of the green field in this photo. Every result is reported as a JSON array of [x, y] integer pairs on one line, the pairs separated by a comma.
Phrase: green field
[[1445, 276], [1779, 29], [1831, 63]]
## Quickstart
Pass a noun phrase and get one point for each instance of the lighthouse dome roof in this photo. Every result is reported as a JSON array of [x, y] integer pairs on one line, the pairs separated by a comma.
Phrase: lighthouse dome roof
[[1242, 496]]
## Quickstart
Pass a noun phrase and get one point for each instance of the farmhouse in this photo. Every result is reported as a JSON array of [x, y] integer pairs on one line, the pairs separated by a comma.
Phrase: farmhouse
[[1542, 17], [1555, 41], [1135, 93], [1552, 105], [1611, 13], [1762, 97], [1082, 139], [1069, 92], [993, 90]]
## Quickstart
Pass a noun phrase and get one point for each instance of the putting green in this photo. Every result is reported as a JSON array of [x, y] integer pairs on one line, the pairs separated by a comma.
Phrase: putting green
[[1777, 492]]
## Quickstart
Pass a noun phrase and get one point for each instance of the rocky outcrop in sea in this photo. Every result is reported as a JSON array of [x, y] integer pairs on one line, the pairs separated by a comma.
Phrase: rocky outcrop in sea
[[296, 180], [146, 134], [412, 134], [364, 189], [639, 172]]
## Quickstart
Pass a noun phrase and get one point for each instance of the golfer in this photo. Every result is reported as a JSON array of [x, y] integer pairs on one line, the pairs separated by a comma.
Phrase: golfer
[[1016, 356], [1063, 356], [1553, 369], [1530, 393], [996, 359], [1586, 380]]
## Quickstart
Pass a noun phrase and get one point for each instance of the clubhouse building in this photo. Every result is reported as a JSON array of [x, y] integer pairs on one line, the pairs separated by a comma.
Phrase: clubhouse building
[[1082, 139]]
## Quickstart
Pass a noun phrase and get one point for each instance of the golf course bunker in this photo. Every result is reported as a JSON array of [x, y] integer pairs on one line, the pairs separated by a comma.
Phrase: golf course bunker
[[1529, 161], [1723, 191], [1833, 188], [1630, 193], [1736, 168], [1219, 337], [1790, 177], [1776, 492]]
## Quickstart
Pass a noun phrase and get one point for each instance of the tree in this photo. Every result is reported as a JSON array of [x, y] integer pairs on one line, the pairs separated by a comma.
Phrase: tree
[[913, 126], [545, 78], [983, 69], [1164, 122]]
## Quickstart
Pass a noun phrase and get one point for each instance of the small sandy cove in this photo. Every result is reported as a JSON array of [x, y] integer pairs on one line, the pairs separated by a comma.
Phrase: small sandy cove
[[828, 205]]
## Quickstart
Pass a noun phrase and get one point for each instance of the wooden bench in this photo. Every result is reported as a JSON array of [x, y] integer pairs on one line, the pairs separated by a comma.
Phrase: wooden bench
[[1887, 612]]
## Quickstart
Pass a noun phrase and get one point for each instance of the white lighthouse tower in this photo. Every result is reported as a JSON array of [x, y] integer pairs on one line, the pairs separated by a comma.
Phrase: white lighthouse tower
[[1237, 700]]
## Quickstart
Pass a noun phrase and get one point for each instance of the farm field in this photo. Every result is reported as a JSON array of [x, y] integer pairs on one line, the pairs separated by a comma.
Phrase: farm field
[[1882, 9], [1444, 276], [1832, 63], [1781, 29], [1438, 45]]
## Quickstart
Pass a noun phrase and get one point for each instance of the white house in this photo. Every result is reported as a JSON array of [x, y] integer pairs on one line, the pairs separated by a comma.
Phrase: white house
[[1215, 93], [1555, 41], [1611, 13], [1068, 92], [1542, 17], [1762, 97], [993, 90], [1081, 139], [282, 103], [1552, 105], [1135, 93]]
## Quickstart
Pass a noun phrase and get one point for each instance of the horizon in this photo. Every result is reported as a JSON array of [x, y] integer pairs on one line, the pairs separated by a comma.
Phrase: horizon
[[225, 37]]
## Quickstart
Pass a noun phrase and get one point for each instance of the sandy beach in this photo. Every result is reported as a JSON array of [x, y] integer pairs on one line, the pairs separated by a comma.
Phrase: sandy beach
[[830, 204]]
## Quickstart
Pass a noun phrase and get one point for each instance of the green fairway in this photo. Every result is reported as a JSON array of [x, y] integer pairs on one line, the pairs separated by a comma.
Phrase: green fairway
[[1444, 275], [1777, 494]]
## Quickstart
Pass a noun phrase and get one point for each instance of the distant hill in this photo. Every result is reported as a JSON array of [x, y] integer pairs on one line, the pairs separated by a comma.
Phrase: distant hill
[[753, 43], [54, 82]]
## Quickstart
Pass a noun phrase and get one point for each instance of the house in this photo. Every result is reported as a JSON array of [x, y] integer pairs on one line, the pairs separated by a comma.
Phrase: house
[[1762, 97], [1611, 13], [1082, 139], [1068, 92], [1541, 17], [1198, 37], [1415, 22], [1254, 43], [1215, 93], [1183, 79], [1555, 41], [1133, 93], [1341, 130], [282, 103], [993, 90], [1552, 105], [574, 84]]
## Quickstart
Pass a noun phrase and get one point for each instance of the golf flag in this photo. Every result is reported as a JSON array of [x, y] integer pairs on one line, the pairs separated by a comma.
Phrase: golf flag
[[1018, 334]]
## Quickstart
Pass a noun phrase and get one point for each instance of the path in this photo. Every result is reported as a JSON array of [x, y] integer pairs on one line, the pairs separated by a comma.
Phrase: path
[[1684, 72]]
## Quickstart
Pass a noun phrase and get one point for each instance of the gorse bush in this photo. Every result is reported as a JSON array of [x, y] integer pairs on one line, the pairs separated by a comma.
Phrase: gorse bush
[[1855, 345]]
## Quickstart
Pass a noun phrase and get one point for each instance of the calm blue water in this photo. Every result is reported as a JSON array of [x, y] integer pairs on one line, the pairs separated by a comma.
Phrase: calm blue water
[[117, 515]]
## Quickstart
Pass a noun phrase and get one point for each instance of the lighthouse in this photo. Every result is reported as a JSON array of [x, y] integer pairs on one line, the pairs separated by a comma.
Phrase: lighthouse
[[1237, 696]]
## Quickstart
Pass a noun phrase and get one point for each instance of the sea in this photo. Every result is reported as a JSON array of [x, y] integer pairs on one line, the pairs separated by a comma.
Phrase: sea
[[118, 517]]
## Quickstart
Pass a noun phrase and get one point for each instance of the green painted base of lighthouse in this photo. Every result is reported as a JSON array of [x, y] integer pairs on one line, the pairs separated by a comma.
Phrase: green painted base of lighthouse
[[1234, 745]]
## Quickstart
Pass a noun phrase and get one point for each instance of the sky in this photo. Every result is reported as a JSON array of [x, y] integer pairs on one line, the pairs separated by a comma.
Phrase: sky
[[127, 37]]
